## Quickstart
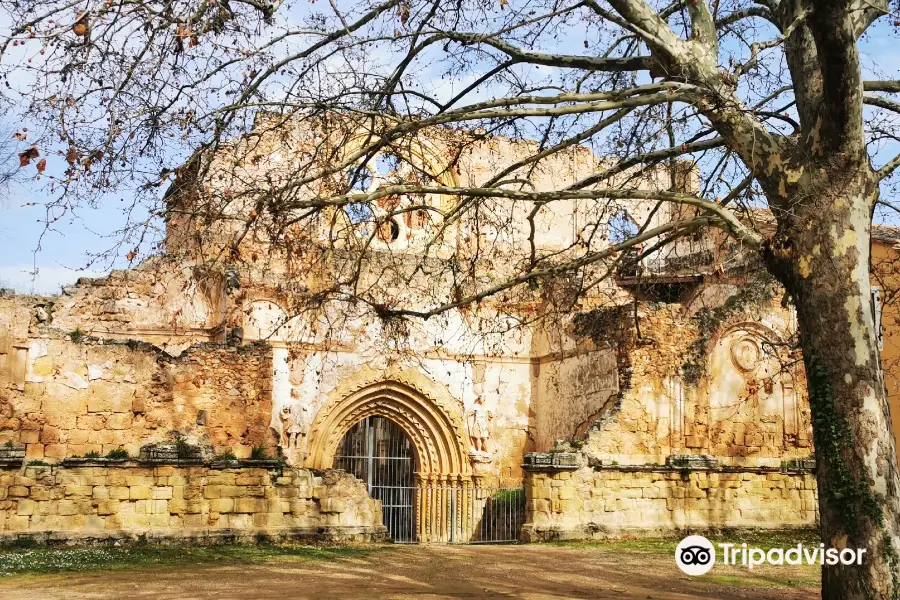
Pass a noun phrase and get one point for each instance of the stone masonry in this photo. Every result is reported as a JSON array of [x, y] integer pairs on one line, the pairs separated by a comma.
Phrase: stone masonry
[[617, 501], [138, 501]]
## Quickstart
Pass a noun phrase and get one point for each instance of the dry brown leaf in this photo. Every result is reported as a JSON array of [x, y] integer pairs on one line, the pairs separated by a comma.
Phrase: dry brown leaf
[[26, 156]]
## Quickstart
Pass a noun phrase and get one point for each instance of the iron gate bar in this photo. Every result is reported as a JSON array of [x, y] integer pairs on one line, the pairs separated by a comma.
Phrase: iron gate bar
[[377, 451]]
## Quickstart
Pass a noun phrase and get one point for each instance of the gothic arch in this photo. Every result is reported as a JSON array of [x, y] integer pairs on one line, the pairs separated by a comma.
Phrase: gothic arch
[[433, 424]]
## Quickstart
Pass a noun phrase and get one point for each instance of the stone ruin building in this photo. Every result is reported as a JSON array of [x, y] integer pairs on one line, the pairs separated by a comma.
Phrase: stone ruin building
[[177, 399]]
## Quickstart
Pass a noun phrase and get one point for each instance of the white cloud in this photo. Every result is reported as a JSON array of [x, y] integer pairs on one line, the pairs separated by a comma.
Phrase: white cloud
[[46, 280]]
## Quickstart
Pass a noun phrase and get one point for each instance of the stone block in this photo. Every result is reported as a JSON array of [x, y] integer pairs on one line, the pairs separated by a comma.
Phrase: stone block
[[43, 366], [29, 437], [135, 480], [67, 508], [18, 491], [231, 491], [192, 521], [40, 492], [249, 505], [57, 451], [139, 492], [107, 507], [25, 507], [161, 493], [540, 493], [119, 493], [246, 479], [221, 505], [34, 451], [17, 522], [567, 493], [119, 421], [160, 520], [333, 505]]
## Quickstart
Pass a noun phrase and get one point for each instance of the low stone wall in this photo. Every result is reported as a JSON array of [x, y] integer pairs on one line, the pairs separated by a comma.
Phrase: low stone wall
[[624, 501], [135, 501]]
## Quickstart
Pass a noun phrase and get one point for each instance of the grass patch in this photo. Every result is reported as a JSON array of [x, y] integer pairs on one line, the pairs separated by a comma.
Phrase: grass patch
[[106, 558], [737, 576], [756, 538], [799, 577]]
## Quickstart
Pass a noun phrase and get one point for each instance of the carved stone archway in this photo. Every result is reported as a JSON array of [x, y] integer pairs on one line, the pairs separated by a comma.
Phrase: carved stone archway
[[433, 424]]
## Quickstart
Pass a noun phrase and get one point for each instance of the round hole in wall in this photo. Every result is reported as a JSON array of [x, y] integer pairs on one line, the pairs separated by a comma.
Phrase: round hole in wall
[[389, 231]]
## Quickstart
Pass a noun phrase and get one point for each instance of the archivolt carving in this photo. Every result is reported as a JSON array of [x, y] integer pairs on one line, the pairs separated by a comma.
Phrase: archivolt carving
[[427, 413], [763, 333]]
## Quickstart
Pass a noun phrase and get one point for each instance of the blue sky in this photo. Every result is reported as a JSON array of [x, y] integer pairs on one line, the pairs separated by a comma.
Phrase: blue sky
[[35, 259]]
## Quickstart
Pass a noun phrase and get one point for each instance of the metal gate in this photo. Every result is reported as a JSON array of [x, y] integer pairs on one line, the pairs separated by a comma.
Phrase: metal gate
[[377, 451]]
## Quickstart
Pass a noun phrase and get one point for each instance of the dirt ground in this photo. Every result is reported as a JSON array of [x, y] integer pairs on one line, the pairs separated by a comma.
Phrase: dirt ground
[[527, 572]]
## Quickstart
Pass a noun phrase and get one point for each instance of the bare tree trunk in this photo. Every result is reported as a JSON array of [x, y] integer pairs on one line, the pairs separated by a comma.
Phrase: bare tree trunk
[[825, 268]]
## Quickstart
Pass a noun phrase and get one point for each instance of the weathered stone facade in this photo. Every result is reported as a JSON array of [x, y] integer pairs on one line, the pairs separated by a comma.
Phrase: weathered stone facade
[[677, 362], [615, 501], [84, 396], [139, 501]]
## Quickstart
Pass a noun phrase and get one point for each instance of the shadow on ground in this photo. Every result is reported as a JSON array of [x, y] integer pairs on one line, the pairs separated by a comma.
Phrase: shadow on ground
[[526, 572]]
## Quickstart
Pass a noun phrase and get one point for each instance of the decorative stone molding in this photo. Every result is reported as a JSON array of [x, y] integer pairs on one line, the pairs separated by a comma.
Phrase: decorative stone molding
[[171, 451], [745, 354], [799, 464], [692, 461], [423, 409], [754, 331], [551, 461], [12, 453]]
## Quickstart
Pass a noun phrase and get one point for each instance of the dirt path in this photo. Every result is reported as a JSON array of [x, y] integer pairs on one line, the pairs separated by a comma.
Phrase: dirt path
[[526, 572]]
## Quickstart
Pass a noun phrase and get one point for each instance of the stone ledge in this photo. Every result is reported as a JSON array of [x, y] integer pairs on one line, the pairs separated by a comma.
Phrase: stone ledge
[[552, 461], [96, 462], [137, 463], [11, 454], [249, 463], [335, 533], [549, 468], [800, 470]]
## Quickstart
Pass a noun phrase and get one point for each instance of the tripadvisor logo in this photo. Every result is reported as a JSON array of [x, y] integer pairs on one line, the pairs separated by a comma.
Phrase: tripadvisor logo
[[696, 555]]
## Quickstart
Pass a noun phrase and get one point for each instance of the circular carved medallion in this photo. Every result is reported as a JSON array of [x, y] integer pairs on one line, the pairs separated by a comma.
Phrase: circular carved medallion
[[745, 354]]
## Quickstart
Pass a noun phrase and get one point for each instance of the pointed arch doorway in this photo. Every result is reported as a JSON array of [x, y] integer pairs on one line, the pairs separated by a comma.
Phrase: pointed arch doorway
[[406, 440], [378, 452]]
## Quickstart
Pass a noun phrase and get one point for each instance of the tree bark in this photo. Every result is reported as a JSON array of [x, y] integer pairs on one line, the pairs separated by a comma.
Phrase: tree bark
[[821, 254]]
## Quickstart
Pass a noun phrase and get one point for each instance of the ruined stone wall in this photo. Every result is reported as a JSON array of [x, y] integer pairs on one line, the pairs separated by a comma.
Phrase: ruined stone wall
[[81, 396], [571, 393], [616, 501], [161, 302], [137, 500], [15, 317], [714, 380]]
